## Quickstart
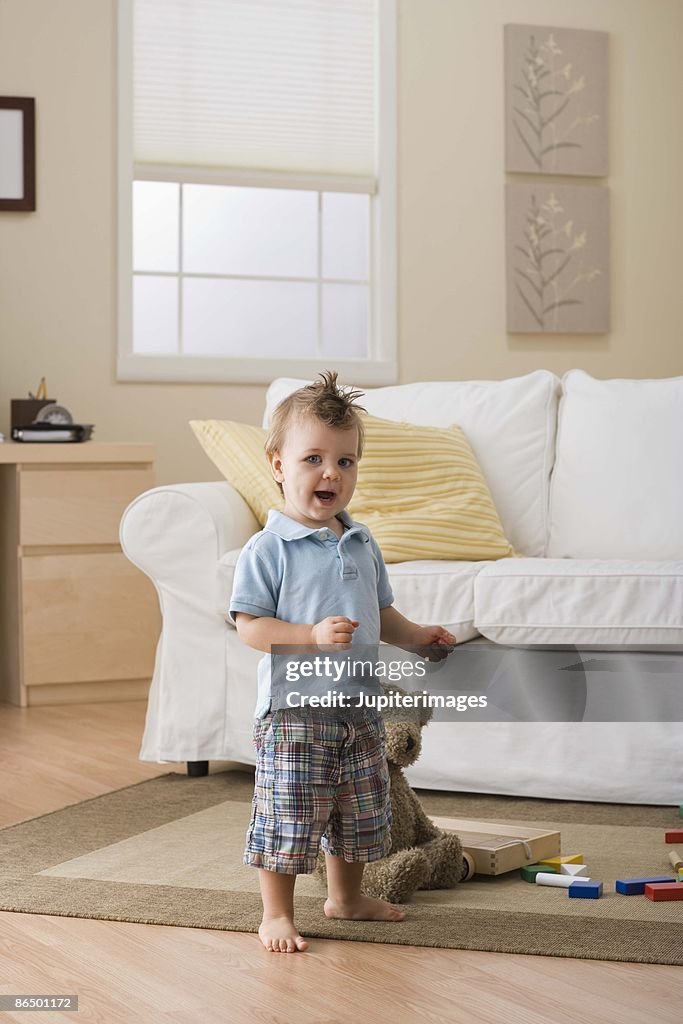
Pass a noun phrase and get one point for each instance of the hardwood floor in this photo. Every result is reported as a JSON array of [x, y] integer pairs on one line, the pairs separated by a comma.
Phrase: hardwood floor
[[54, 756]]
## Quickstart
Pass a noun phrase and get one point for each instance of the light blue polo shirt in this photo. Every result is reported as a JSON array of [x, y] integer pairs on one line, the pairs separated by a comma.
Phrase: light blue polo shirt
[[295, 573]]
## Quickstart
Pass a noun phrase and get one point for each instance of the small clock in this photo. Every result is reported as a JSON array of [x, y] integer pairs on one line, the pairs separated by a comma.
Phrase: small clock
[[54, 413]]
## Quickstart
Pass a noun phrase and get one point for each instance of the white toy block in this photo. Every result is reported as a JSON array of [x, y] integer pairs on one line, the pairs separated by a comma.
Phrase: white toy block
[[560, 881], [574, 869]]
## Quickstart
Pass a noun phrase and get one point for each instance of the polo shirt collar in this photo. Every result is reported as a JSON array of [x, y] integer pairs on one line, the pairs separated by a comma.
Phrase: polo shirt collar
[[288, 529]]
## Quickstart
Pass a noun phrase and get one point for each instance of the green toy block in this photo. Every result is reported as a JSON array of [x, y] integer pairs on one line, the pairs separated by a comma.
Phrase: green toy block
[[530, 871]]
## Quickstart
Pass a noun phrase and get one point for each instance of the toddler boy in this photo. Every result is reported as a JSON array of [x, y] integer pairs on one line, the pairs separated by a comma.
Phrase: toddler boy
[[314, 576]]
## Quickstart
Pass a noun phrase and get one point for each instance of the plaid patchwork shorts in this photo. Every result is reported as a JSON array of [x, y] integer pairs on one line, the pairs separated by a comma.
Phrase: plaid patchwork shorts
[[320, 781]]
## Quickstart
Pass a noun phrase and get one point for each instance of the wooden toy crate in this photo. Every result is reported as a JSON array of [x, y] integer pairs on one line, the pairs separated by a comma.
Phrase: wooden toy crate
[[497, 847]]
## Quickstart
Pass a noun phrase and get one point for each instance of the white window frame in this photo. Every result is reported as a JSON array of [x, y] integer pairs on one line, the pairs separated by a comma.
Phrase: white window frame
[[382, 365]]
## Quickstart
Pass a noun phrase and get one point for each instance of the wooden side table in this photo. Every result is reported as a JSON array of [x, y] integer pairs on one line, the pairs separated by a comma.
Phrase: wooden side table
[[78, 622]]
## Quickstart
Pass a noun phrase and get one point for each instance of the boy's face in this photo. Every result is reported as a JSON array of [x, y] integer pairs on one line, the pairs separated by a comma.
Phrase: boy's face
[[317, 467]]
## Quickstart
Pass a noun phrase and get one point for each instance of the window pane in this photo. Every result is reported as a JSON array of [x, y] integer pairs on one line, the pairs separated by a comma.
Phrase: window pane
[[249, 318], [345, 320], [155, 225], [346, 233], [155, 314], [264, 232]]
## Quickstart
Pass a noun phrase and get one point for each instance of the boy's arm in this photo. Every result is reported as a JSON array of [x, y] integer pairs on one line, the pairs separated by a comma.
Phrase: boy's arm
[[262, 631], [396, 629]]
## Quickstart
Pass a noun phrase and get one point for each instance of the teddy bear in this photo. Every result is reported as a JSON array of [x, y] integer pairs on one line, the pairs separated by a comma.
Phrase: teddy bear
[[422, 856]]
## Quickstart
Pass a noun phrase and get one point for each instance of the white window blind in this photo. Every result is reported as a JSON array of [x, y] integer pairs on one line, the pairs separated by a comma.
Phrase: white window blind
[[265, 85]]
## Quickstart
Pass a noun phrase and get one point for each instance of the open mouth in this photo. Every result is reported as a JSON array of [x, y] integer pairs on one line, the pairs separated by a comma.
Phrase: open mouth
[[326, 497]]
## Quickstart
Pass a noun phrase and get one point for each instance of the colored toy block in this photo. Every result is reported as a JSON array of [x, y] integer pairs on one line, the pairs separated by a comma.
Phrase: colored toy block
[[636, 886], [676, 860], [664, 891], [674, 836], [560, 881], [585, 890], [575, 858], [574, 869], [529, 871], [680, 875], [680, 810]]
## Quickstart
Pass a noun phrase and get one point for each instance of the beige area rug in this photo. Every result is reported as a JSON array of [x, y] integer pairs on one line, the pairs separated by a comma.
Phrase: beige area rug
[[169, 851]]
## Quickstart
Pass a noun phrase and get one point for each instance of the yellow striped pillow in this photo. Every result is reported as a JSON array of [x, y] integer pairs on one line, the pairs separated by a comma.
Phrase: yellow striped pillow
[[422, 494], [420, 489], [237, 450]]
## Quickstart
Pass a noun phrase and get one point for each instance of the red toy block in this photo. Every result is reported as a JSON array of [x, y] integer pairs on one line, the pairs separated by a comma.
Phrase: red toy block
[[675, 836], [664, 891]]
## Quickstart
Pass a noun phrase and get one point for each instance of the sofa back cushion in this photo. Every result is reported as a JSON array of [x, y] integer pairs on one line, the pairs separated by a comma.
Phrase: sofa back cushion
[[510, 425], [617, 486]]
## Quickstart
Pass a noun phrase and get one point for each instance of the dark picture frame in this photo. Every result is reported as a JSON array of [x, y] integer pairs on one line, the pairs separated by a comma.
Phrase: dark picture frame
[[17, 153]]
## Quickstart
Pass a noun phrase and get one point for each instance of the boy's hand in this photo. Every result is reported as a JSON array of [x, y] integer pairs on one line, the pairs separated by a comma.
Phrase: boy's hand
[[438, 639], [335, 631]]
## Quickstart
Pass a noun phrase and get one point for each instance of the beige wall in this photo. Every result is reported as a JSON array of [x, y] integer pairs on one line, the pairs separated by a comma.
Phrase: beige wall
[[452, 294], [57, 265]]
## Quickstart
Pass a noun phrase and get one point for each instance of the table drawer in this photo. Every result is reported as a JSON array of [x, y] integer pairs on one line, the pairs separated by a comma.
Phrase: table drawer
[[77, 505], [87, 617]]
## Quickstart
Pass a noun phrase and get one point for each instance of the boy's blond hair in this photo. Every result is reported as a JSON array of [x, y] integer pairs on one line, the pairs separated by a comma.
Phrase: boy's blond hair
[[324, 400]]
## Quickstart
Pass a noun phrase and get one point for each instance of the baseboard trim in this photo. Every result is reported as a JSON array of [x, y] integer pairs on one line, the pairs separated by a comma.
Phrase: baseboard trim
[[88, 693]]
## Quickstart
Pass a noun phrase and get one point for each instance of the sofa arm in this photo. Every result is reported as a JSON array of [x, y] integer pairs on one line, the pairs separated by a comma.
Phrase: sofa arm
[[180, 531], [176, 536]]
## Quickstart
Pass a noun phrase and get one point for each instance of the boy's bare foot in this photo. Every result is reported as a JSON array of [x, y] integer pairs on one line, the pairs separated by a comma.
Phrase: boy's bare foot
[[365, 908], [279, 935]]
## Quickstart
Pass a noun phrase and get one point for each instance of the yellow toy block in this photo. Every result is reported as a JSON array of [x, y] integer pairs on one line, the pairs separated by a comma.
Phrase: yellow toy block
[[556, 862]]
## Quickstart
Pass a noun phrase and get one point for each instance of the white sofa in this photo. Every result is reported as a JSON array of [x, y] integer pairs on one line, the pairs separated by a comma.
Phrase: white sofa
[[587, 477]]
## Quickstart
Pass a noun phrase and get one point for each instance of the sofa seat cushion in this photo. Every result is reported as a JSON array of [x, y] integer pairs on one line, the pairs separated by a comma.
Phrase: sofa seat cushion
[[580, 601], [437, 592]]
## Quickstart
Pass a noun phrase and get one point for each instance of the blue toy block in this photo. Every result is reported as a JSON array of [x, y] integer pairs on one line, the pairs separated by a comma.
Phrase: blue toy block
[[636, 886], [580, 890]]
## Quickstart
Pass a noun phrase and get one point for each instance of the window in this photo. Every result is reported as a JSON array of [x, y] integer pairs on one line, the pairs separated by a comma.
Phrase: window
[[257, 189]]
